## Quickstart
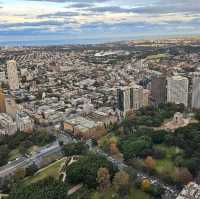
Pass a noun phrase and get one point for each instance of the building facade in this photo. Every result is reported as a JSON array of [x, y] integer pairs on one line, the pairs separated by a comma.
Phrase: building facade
[[195, 102], [159, 90], [177, 90], [132, 97], [12, 73], [2, 101]]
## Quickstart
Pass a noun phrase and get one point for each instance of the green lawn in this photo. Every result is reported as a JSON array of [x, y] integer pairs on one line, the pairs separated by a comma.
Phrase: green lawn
[[14, 154], [158, 56], [50, 171]]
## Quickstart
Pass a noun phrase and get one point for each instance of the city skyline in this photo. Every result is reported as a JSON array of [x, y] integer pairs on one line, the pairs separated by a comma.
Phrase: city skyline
[[91, 21]]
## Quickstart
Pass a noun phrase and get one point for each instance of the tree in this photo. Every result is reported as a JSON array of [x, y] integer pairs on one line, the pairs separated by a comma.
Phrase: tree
[[120, 181], [197, 115], [145, 185], [20, 173], [30, 171], [133, 146], [150, 163], [183, 175], [47, 189], [3, 154], [75, 149], [103, 178], [86, 168]]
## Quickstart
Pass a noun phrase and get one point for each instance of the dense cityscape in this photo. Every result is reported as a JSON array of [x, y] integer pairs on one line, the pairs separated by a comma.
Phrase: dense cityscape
[[114, 120]]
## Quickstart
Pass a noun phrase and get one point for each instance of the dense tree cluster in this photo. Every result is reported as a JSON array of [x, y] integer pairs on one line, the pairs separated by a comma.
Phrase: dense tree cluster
[[75, 149], [154, 116], [86, 170], [47, 189]]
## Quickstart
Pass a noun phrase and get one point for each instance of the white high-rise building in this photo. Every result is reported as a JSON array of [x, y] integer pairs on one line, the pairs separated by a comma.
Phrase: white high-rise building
[[136, 97], [13, 80], [177, 90], [195, 91]]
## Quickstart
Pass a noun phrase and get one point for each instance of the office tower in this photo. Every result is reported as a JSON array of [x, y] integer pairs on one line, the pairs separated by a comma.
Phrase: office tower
[[159, 90], [177, 90], [13, 80], [123, 98], [195, 102], [2, 102]]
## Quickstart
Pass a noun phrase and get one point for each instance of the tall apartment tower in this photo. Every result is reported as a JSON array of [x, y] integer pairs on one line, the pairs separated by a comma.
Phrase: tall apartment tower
[[177, 90], [124, 99], [159, 90], [131, 97], [136, 97], [195, 91], [2, 101], [13, 80]]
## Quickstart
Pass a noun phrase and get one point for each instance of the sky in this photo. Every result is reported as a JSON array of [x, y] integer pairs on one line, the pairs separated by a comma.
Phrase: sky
[[93, 21]]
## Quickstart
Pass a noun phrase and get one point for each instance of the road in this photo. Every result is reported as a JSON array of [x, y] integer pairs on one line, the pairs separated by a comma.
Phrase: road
[[24, 162], [55, 148], [155, 181]]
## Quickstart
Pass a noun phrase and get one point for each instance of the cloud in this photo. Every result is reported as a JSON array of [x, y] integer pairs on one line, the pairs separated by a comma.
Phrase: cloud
[[59, 14], [81, 5], [99, 18], [73, 1]]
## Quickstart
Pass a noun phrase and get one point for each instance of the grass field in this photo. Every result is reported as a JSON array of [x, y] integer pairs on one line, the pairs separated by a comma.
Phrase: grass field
[[50, 171], [158, 56]]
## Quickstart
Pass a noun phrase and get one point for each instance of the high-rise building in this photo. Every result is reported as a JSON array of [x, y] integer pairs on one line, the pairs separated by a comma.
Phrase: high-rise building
[[159, 90], [123, 98], [13, 80], [132, 97], [177, 90], [195, 102], [2, 102], [146, 94], [137, 97]]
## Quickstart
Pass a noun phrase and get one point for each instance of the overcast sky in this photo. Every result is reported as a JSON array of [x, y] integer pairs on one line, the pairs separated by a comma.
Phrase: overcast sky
[[28, 20]]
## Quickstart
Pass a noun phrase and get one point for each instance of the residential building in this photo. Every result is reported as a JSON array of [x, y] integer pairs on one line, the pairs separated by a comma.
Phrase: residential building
[[11, 106], [195, 103], [7, 125], [177, 90], [2, 76], [136, 97], [132, 97], [159, 90], [124, 99], [12, 73], [191, 191], [2, 101], [24, 122], [79, 125]]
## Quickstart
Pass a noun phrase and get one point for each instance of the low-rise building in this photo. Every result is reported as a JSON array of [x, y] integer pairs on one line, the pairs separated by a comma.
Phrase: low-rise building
[[79, 125], [7, 125], [24, 122], [191, 191]]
